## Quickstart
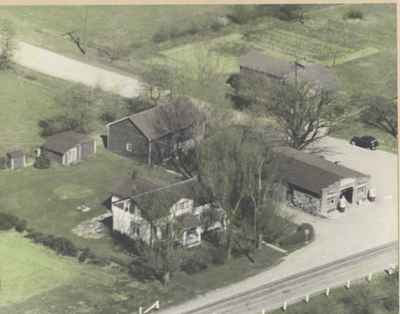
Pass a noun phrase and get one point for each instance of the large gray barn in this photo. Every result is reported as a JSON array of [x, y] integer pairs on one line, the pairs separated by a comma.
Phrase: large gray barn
[[152, 135], [317, 184], [68, 147]]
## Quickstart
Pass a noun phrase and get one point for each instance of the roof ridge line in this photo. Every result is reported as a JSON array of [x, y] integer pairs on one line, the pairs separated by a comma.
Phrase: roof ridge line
[[166, 187]]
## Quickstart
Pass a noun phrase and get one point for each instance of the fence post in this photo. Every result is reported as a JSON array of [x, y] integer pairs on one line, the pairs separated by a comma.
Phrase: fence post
[[348, 284], [369, 278], [263, 311], [157, 305], [307, 298], [327, 292], [284, 307], [140, 310]]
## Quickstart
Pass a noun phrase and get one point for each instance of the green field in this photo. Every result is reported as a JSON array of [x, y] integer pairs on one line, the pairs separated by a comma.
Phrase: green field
[[23, 102], [27, 269], [128, 28]]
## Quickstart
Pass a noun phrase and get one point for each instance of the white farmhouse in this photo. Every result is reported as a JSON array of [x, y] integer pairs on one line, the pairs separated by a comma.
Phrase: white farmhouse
[[139, 205]]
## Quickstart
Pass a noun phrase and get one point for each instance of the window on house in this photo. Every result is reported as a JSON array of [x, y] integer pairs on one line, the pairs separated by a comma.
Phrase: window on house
[[129, 147], [331, 200]]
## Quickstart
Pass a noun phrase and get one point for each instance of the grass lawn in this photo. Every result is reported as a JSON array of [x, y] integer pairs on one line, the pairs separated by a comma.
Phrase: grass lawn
[[237, 269], [48, 199], [344, 301], [40, 282], [27, 269], [23, 102], [127, 27]]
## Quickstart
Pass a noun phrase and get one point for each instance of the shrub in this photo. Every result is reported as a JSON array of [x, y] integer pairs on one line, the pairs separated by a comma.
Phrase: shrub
[[193, 29], [216, 25], [299, 236], [60, 245], [354, 14], [308, 229], [161, 35], [196, 261], [3, 163], [8, 222], [242, 14], [288, 12], [54, 125], [85, 254], [42, 162]]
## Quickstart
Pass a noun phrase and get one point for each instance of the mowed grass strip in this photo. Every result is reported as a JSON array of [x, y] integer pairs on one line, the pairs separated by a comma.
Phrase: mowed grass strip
[[27, 269]]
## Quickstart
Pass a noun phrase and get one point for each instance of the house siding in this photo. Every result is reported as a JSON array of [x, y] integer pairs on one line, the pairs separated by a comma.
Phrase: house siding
[[52, 156], [16, 162], [87, 149], [123, 132]]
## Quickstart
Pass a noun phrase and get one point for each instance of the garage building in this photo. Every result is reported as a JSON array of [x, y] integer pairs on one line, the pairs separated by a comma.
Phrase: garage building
[[68, 147], [316, 184]]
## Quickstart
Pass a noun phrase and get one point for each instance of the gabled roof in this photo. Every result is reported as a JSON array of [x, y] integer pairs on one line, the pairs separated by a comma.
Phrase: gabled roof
[[62, 142], [167, 118], [16, 154], [147, 193], [311, 172], [126, 187], [318, 74], [260, 62]]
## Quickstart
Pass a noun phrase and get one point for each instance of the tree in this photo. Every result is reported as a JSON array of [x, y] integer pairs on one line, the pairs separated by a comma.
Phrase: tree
[[380, 113], [181, 144], [7, 43], [83, 109], [79, 36], [162, 254], [229, 169], [204, 72], [304, 114]]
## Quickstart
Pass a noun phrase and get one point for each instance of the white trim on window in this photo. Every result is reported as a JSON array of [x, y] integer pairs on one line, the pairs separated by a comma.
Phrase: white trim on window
[[129, 147]]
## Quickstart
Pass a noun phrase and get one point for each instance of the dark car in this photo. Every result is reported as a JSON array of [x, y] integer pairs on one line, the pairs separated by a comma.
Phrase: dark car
[[365, 141]]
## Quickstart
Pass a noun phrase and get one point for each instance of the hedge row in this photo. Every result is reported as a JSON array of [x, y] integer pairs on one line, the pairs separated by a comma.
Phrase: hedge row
[[8, 222]]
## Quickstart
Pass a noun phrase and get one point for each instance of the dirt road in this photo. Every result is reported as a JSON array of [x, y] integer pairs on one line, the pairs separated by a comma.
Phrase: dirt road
[[53, 64]]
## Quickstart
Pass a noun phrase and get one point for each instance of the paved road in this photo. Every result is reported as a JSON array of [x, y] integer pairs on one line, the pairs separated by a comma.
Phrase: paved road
[[272, 295], [53, 64]]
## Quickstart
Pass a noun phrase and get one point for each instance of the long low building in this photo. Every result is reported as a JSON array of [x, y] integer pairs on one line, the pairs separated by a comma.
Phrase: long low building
[[316, 184]]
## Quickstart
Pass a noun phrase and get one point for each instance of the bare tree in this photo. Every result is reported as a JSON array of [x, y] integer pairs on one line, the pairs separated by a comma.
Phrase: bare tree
[[80, 36], [204, 72], [305, 114], [7, 43], [380, 113], [184, 124], [163, 252], [230, 170]]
